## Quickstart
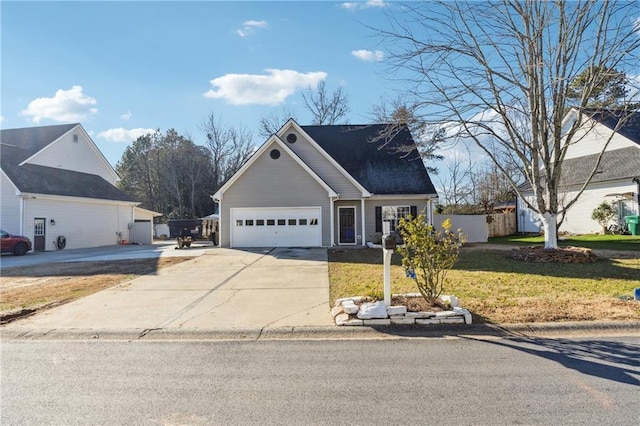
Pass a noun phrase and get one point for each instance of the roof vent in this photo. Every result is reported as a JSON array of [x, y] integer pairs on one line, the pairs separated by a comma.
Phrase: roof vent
[[292, 138], [75, 138]]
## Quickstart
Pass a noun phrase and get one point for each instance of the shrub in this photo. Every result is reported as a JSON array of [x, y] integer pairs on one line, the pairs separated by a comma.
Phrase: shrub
[[603, 214], [428, 254]]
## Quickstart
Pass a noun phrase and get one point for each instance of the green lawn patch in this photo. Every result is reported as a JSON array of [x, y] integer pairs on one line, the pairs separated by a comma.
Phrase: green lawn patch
[[499, 289]]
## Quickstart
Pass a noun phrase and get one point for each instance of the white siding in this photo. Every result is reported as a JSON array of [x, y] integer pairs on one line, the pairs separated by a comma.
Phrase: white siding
[[591, 141], [323, 168], [79, 156], [274, 183], [84, 223], [9, 206]]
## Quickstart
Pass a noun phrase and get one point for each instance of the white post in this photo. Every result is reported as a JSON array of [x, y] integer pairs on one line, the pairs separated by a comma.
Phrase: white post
[[386, 260]]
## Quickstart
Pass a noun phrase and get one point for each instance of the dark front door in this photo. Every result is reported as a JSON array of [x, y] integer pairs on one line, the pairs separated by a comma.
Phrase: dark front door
[[347, 225], [39, 227]]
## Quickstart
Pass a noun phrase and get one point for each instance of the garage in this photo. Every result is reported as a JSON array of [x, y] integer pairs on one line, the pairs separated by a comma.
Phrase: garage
[[276, 227]]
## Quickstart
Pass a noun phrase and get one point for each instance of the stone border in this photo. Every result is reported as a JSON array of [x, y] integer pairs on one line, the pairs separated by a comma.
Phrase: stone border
[[354, 311]]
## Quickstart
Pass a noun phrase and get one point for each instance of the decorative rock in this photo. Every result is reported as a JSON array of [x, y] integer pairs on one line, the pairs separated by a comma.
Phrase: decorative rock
[[336, 310], [468, 319], [349, 307], [373, 310], [444, 314], [401, 319], [452, 300], [353, 322], [420, 314], [341, 319], [427, 321], [452, 320], [396, 310], [386, 321], [344, 299]]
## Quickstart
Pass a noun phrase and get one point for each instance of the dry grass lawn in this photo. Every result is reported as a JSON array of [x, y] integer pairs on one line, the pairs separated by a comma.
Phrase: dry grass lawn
[[498, 289], [33, 288]]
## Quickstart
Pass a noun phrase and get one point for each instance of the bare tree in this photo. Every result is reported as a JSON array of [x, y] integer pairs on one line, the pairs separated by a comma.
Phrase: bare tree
[[455, 184], [500, 71], [230, 148], [326, 108], [272, 122]]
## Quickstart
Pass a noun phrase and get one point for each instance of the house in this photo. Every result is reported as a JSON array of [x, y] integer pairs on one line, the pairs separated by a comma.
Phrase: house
[[323, 186], [617, 179], [58, 189]]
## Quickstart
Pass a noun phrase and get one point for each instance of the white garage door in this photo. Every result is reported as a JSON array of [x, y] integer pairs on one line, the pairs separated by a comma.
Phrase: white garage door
[[276, 227]]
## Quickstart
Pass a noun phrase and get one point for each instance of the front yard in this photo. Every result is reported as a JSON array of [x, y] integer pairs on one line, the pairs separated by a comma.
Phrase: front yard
[[498, 289]]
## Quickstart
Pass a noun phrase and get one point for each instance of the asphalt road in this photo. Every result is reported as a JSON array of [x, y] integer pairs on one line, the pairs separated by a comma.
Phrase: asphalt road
[[443, 381]]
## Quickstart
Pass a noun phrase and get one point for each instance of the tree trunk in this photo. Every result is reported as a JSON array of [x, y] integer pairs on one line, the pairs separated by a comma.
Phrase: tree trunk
[[549, 225]]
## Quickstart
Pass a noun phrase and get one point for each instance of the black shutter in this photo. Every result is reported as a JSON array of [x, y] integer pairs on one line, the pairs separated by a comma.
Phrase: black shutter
[[414, 211], [378, 219]]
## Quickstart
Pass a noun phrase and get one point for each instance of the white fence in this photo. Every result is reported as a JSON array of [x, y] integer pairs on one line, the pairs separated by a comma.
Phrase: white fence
[[473, 226]]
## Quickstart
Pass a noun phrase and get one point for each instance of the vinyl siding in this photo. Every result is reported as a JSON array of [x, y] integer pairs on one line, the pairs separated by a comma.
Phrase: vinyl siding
[[9, 206], [592, 143], [80, 156], [274, 183], [323, 168], [370, 211], [83, 223]]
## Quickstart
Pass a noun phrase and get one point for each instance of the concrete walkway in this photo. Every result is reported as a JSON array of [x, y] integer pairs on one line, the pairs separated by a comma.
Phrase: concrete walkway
[[220, 289]]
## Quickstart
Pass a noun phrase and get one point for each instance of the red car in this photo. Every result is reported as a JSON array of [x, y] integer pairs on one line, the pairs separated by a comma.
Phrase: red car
[[16, 244]]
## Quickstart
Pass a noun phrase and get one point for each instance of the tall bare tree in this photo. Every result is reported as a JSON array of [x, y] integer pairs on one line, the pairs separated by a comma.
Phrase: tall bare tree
[[499, 72], [271, 123], [230, 148], [326, 108]]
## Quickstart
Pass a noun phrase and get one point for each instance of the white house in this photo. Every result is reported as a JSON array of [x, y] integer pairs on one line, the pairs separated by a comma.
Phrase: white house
[[617, 179], [58, 189]]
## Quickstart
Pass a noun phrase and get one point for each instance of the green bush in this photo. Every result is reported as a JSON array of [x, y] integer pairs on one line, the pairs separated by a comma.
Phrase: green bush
[[603, 214]]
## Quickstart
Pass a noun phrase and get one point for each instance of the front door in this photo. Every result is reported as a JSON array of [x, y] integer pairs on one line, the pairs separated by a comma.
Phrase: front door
[[347, 220], [39, 233]]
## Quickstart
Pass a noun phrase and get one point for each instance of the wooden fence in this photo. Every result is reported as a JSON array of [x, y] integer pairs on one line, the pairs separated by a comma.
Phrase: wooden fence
[[502, 224]]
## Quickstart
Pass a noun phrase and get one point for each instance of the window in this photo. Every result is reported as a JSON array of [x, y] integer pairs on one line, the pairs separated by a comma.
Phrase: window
[[248, 222], [313, 221], [238, 222], [302, 222], [393, 214], [292, 222], [259, 222], [271, 222], [282, 222]]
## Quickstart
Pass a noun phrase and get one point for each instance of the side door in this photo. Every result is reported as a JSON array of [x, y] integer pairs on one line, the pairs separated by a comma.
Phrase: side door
[[39, 233]]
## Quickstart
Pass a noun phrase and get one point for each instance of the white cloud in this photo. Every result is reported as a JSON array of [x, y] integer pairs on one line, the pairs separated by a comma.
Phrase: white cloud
[[368, 55], [65, 106], [270, 89], [124, 135], [127, 115], [250, 27], [2, 119], [352, 5]]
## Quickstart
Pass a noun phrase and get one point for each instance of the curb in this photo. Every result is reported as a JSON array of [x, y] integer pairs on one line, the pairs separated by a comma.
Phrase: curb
[[327, 332]]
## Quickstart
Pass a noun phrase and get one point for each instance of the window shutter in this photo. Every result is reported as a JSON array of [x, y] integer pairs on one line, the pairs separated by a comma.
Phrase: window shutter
[[414, 211], [378, 219]]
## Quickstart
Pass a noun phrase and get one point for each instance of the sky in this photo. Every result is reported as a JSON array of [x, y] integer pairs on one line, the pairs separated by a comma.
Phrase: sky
[[122, 69]]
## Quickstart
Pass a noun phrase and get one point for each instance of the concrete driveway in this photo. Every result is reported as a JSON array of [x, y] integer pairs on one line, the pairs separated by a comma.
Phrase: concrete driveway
[[219, 289]]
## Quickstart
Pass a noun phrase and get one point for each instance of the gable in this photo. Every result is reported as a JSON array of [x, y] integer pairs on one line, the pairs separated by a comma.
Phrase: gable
[[395, 169]]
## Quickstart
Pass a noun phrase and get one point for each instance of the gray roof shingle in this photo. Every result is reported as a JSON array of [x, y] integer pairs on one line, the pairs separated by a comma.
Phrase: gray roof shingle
[[380, 170], [16, 145]]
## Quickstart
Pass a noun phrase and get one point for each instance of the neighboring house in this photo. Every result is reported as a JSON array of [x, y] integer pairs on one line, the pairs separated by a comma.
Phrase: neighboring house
[[59, 190], [323, 186], [617, 179]]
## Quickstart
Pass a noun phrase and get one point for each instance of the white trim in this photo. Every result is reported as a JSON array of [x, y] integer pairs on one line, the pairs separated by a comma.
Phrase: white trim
[[362, 233], [149, 212], [273, 140], [355, 226], [332, 220], [292, 123], [403, 196], [36, 196]]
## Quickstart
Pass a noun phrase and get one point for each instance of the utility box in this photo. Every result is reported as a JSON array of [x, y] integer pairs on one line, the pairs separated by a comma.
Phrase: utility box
[[388, 242]]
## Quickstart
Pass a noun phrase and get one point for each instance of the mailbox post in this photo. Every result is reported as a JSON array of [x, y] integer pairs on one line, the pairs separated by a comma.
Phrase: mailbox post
[[388, 246]]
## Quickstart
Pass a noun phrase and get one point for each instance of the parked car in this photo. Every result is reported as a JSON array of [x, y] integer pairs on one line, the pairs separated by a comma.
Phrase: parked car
[[16, 244]]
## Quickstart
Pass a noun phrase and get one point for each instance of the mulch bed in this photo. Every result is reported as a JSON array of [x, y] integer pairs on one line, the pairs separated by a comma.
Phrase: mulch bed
[[560, 255]]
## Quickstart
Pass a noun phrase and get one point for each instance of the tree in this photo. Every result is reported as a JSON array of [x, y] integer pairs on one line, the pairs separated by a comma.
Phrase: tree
[[498, 72], [326, 108], [272, 122], [428, 254], [608, 87], [230, 148], [603, 214], [397, 115]]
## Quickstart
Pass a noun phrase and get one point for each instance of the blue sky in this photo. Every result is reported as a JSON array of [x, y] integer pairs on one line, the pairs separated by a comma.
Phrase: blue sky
[[122, 68]]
